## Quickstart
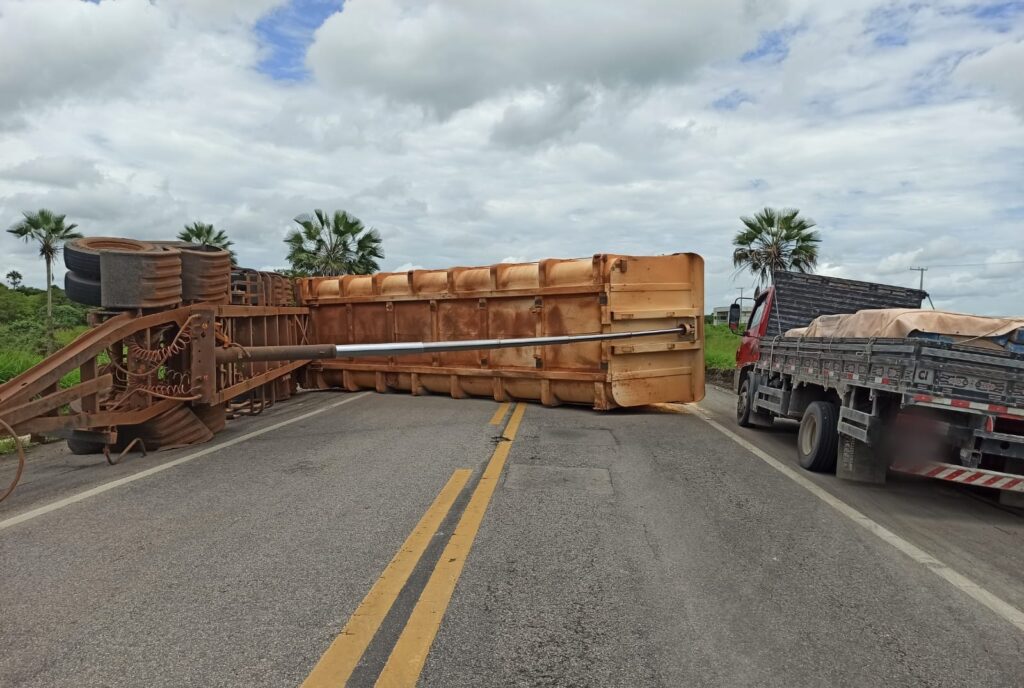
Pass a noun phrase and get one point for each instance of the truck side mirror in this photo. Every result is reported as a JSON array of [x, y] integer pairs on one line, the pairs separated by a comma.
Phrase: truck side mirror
[[734, 317]]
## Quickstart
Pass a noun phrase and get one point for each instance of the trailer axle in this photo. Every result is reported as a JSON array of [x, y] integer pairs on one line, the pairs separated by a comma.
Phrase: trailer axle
[[302, 352]]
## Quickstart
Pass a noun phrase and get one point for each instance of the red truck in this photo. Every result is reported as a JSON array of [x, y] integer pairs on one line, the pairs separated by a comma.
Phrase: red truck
[[918, 404]]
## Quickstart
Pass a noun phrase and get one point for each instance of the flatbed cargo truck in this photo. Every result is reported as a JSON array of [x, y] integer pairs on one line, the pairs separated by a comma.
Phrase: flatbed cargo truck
[[916, 405]]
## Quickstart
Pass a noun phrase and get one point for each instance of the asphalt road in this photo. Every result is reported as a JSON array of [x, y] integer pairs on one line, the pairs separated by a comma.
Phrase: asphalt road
[[635, 548]]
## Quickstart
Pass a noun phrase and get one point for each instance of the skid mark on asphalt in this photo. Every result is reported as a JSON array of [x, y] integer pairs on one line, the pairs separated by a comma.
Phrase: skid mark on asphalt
[[996, 604], [100, 489]]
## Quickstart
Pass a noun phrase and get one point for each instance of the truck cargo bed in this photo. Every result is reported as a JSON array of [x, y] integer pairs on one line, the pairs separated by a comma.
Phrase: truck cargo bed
[[911, 366]]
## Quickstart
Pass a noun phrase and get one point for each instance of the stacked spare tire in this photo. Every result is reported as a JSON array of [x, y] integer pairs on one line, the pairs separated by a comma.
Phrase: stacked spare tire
[[117, 273]]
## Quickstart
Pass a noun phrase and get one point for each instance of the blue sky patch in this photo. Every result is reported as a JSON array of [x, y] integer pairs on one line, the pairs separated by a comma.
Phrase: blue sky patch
[[999, 16], [773, 46], [286, 32], [890, 26], [732, 100], [931, 82], [998, 10]]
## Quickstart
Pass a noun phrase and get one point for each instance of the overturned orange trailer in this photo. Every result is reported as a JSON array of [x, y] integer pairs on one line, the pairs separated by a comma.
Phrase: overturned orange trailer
[[608, 331], [606, 293]]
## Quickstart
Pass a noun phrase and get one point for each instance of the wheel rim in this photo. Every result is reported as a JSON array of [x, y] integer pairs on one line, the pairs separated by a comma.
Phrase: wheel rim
[[112, 244], [808, 434], [741, 401]]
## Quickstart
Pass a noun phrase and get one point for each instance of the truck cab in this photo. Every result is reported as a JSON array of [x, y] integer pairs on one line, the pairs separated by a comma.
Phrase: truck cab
[[793, 300], [755, 328]]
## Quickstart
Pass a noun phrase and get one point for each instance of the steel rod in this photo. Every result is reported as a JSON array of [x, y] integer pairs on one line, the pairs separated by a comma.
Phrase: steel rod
[[320, 351]]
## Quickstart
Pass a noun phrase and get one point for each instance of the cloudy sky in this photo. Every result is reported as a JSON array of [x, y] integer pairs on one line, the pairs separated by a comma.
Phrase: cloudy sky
[[474, 131]]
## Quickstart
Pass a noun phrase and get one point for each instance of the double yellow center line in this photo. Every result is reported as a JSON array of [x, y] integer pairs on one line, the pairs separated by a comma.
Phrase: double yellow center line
[[409, 654]]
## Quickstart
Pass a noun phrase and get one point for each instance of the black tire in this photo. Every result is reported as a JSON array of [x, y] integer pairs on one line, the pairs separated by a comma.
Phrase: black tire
[[82, 290], [84, 447], [817, 443], [84, 263], [743, 403], [83, 255]]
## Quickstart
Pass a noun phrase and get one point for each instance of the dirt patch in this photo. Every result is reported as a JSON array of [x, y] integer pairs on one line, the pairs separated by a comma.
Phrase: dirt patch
[[719, 377]]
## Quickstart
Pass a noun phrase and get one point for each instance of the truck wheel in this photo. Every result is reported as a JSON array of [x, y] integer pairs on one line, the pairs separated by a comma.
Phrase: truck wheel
[[743, 404], [818, 440], [84, 447], [83, 290], [83, 255]]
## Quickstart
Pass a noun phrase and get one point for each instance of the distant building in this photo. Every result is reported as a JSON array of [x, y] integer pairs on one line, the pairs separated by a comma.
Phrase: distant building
[[720, 315]]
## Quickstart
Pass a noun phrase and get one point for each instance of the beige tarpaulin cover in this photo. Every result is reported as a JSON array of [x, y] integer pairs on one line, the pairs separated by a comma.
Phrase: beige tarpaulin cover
[[902, 322]]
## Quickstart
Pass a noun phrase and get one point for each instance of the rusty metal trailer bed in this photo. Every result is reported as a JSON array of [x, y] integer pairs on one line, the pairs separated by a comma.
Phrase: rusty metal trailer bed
[[151, 378]]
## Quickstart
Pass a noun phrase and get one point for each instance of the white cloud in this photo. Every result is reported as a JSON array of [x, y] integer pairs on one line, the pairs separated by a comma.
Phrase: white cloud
[[999, 70], [59, 170], [540, 118], [222, 13], [942, 249], [54, 49], [569, 129], [451, 54]]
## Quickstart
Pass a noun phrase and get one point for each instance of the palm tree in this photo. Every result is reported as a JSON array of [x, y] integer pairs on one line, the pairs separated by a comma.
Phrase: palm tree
[[205, 235], [47, 228], [333, 245], [13, 278], [776, 240]]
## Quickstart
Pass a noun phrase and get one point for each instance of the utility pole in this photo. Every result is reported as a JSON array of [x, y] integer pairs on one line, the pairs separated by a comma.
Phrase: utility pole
[[921, 271]]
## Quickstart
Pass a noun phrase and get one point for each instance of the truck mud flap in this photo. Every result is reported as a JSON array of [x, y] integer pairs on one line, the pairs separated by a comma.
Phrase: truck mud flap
[[859, 462]]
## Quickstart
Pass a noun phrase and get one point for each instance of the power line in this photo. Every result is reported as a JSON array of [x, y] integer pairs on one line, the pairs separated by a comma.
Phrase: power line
[[921, 270], [975, 265]]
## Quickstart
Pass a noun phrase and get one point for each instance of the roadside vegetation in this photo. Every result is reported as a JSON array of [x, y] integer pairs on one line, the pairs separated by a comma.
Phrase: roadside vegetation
[[23, 333], [47, 229], [24, 338], [720, 346]]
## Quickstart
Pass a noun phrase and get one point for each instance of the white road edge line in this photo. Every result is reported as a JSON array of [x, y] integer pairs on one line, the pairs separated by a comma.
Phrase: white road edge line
[[963, 583], [100, 489]]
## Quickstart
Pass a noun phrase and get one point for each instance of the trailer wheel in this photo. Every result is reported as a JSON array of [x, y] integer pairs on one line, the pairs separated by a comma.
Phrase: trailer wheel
[[83, 290], [817, 442], [84, 447], [83, 255], [743, 403]]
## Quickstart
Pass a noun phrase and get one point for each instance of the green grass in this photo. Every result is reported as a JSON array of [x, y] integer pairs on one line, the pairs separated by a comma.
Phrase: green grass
[[8, 446], [720, 346], [66, 336], [13, 362]]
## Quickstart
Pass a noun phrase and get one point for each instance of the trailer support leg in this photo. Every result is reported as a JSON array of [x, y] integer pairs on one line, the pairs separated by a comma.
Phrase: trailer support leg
[[860, 462]]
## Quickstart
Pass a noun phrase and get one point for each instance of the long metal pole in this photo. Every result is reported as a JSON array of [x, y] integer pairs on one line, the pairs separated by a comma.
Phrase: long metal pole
[[319, 351]]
